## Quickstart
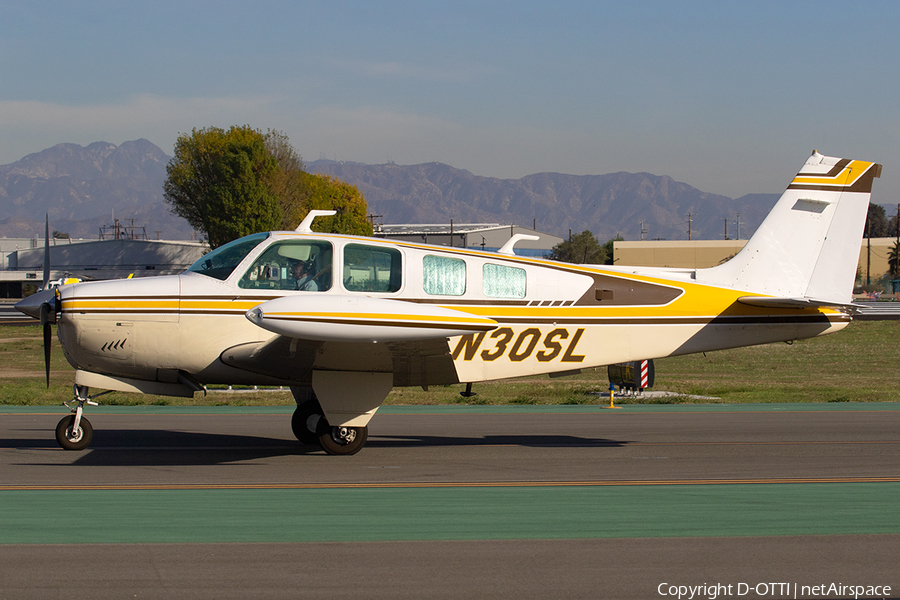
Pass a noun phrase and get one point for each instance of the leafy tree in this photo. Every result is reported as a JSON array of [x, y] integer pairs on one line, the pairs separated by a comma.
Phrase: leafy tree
[[609, 246], [876, 222], [290, 181], [299, 192], [328, 193], [582, 248], [219, 182], [892, 226]]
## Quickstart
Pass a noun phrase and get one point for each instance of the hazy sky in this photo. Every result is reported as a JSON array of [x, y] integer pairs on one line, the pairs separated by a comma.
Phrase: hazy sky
[[729, 97]]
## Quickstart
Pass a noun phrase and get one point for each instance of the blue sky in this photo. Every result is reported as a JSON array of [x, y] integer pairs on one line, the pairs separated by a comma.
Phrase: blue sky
[[729, 97]]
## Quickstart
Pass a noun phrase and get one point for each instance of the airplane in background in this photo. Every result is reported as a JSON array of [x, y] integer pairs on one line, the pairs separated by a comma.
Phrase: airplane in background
[[343, 319]]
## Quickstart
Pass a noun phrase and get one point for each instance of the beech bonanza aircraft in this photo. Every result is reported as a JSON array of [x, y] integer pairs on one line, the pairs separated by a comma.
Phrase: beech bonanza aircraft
[[343, 319]]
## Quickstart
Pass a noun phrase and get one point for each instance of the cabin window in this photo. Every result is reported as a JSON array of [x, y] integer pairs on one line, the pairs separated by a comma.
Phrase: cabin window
[[372, 268], [222, 261], [500, 281], [444, 276], [303, 265]]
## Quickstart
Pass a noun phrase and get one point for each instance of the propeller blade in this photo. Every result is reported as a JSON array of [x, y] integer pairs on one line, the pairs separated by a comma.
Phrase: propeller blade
[[45, 324]]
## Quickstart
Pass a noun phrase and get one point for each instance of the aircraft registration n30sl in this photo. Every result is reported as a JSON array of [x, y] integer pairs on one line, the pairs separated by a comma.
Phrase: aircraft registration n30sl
[[344, 319]]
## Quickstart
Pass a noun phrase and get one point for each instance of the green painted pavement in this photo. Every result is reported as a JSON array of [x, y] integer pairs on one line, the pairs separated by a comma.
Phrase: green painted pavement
[[456, 513], [448, 409]]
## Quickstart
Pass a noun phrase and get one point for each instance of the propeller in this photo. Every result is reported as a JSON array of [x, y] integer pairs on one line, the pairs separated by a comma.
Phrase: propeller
[[43, 305], [48, 311], [48, 315]]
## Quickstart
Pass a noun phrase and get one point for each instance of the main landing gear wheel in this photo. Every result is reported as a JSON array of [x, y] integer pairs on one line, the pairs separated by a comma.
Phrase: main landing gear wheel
[[305, 421], [79, 439], [342, 441]]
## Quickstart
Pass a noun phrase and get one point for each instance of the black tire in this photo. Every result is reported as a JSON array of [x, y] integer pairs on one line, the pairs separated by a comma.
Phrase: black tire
[[300, 422], [341, 441], [77, 441]]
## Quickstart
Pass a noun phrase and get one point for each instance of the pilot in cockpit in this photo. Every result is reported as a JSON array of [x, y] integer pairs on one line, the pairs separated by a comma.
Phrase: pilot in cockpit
[[302, 272]]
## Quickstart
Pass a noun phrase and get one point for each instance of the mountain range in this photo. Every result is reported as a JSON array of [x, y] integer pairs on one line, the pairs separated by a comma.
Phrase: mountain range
[[85, 187], [608, 205]]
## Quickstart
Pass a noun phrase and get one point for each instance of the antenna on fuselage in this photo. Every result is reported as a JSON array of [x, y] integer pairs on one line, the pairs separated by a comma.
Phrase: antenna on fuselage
[[305, 226], [511, 242]]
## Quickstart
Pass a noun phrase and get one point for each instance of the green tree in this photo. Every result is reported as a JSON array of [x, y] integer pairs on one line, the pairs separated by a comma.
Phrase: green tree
[[876, 222], [582, 248], [219, 181], [894, 261], [609, 246], [299, 192], [289, 182], [327, 193], [892, 227]]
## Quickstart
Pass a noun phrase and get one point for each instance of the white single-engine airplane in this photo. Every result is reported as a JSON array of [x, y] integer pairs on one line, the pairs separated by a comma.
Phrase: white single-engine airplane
[[343, 319]]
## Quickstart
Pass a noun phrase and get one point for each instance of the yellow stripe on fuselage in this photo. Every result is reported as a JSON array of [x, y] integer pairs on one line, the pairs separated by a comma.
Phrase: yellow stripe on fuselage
[[120, 304]]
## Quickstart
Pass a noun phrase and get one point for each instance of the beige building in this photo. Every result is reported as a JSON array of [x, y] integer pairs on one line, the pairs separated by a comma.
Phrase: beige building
[[709, 253]]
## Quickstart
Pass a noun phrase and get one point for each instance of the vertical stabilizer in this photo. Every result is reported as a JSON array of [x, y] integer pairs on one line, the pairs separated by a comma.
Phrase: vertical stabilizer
[[807, 248]]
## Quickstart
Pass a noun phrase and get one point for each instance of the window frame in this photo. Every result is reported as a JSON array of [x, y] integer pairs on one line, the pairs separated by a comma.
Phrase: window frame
[[485, 279], [395, 271], [448, 259]]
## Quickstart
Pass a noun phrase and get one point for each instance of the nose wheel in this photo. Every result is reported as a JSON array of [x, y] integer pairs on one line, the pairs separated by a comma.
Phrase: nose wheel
[[74, 432], [74, 436]]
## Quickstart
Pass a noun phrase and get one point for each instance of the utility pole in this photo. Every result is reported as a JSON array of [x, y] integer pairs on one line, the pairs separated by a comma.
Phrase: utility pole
[[726, 227], [372, 220], [738, 223], [689, 226], [868, 253]]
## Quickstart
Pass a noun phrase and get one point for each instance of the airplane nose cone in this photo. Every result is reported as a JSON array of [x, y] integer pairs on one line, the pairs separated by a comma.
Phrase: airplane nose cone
[[31, 305]]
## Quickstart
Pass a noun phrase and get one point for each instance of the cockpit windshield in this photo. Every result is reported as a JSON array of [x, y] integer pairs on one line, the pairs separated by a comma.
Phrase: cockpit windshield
[[222, 261]]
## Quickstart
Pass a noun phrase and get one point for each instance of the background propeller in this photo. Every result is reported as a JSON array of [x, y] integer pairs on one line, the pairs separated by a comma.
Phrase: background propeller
[[47, 316], [48, 311]]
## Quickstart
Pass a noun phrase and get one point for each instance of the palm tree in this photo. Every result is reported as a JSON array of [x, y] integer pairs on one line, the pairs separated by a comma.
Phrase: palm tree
[[894, 260]]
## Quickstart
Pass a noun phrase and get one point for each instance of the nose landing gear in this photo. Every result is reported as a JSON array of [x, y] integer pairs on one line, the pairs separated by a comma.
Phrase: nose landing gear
[[74, 432]]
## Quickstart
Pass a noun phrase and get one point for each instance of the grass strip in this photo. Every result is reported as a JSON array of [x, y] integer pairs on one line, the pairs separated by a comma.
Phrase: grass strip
[[855, 365]]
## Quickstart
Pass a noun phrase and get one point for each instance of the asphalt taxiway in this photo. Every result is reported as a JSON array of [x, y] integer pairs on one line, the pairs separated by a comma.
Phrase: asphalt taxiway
[[449, 502]]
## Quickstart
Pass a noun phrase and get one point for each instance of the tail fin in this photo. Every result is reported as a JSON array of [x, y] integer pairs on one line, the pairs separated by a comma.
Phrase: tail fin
[[807, 248]]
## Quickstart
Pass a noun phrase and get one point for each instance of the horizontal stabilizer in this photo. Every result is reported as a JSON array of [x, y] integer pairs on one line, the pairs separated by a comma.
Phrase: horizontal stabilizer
[[769, 302], [362, 319]]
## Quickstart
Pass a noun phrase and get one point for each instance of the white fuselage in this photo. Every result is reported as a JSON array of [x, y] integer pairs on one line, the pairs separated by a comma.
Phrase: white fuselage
[[545, 317]]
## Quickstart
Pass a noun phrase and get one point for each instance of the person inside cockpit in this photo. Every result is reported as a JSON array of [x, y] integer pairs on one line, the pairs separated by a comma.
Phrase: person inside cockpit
[[302, 272]]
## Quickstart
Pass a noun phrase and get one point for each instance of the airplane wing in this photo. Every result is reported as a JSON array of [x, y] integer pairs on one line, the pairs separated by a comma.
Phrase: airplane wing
[[411, 338], [413, 363], [362, 319]]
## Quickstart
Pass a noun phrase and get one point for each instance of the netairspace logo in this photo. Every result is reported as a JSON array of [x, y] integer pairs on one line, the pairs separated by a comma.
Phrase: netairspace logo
[[772, 590]]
